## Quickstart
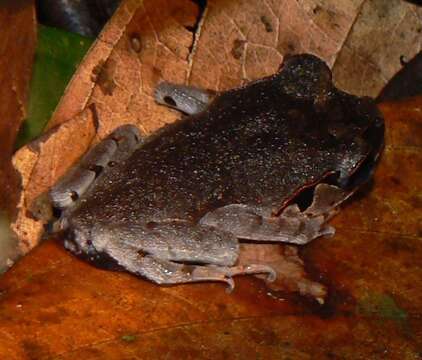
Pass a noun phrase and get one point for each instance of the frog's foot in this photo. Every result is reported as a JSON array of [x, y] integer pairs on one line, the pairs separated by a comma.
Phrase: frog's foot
[[291, 226], [188, 99], [215, 273], [114, 148], [167, 272]]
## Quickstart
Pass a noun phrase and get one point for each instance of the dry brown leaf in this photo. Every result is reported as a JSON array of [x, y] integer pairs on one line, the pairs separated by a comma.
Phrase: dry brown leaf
[[385, 34], [363, 40], [17, 48], [44, 161]]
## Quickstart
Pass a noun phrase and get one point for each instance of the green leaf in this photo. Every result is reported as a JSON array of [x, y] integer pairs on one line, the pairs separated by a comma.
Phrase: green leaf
[[384, 307], [381, 305], [57, 56], [129, 338]]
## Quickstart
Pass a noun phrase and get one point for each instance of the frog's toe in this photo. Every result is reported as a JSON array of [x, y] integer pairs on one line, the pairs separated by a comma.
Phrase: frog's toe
[[328, 231], [225, 274], [272, 275], [212, 273], [116, 147], [164, 272], [253, 269], [188, 99], [230, 287]]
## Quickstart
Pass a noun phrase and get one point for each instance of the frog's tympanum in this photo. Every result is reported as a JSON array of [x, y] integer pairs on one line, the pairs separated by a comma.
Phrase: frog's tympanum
[[268, 162]]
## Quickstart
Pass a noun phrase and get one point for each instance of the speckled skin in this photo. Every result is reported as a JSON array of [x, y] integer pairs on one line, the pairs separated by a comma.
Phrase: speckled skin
[[255, 146]]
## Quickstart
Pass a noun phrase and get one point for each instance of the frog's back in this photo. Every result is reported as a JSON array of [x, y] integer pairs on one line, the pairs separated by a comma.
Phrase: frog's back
[[253, 145]]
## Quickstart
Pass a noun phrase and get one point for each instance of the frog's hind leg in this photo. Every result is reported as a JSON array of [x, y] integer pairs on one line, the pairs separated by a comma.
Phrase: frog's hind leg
[[170, 252], [114, 148], [166, 272], [291, 226], [188, 99]]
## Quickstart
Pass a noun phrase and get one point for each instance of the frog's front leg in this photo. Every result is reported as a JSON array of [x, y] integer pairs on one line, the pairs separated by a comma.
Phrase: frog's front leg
[[291, 226], [114, 148], [188, 99]]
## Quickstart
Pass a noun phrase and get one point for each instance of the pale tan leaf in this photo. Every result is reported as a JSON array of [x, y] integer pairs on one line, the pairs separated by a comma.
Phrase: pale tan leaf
[[384, 33], [42, 163]]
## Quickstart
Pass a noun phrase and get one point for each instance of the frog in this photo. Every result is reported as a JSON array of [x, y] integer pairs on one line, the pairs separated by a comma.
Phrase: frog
[[270, 161]]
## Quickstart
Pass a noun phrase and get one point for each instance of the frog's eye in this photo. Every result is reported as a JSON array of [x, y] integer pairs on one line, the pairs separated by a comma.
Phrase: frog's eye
[[74, 195], [169, 101]]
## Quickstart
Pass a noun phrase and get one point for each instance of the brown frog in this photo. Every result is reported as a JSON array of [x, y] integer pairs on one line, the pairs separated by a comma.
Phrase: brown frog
[[266, 162]]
